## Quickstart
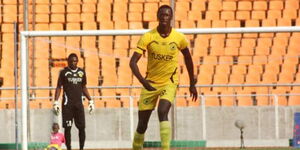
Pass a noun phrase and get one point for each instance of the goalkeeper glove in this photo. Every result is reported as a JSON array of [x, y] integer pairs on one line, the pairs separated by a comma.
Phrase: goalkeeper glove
[[91, 106], [56, 108]]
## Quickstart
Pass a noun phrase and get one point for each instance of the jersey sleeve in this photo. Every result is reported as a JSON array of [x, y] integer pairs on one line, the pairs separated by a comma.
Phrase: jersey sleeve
[[142, 44], [84, 78], [60, 78], [183, 42]]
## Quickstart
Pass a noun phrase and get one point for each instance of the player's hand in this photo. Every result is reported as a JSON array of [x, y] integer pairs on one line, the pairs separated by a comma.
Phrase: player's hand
[[56, 108], [193, 93], [147, 85], [91, 106]]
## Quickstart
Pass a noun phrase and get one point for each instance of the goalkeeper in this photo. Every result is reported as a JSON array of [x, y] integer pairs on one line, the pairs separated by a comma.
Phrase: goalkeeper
[[162, 45], [73, 81]]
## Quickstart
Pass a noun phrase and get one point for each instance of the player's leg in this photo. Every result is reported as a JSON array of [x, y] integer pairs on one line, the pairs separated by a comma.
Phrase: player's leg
[[79, 118], [147, 103], [165, 126], [138, 139], [67, 116], [167, 96]]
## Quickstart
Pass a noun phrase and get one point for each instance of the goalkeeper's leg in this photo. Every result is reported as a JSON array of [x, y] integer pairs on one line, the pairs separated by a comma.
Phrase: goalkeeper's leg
[[138, 139], [68, 137], [165, 126]]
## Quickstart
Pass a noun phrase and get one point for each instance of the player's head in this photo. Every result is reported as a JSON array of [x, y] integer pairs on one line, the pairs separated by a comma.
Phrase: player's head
[[164, 15], [55, 127], [72, 61]]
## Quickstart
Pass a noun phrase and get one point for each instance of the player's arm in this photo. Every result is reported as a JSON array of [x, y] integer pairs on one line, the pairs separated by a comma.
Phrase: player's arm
[[58, 88], [57, 94], [190, 68], [86, 92], [135, 70]]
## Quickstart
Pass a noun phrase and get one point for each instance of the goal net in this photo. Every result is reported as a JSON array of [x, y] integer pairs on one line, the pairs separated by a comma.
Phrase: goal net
[[105, 57]]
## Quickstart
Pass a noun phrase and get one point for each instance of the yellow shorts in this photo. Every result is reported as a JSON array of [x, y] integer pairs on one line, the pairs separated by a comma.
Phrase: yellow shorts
[[53, 147], [149, 99]]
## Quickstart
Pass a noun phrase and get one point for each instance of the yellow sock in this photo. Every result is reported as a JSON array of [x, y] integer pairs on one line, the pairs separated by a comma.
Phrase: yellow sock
[[165, 134], [138, 141]]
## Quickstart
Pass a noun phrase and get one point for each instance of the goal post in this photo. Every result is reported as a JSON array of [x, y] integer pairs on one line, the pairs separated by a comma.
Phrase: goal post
[[26, 34]]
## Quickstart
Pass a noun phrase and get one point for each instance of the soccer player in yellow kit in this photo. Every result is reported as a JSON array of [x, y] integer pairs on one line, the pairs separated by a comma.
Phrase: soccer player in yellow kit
[[162, 45]]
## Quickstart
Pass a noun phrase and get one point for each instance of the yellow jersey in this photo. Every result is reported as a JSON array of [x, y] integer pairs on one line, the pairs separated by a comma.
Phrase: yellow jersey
[[162, 66]]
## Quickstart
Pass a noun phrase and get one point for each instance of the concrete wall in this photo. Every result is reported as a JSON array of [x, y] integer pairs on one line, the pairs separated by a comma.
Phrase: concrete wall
[[107, 125]]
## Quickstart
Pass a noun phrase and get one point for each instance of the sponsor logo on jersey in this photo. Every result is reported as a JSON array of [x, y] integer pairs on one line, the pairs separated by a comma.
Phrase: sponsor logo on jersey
[[74, 80], [80, 73], [172, 46], [146, 101], [161, 57]]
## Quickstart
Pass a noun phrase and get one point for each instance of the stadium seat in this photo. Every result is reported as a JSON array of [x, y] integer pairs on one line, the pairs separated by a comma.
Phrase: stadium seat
[[282, 98], [251, 23], [215, 5], [227, 15], [242, 15], [150, 6], [231, 51], [284, 22], [220, 79], [120, 25], [204, 79], [239, 69], [87, 17], [260, 60], [260, 5], [7, 104], [248, 42], [274, 14], [198, 6], [88, 8], [258, 15], [212, 15], [294, 100], [289, 13], [181, 102], [253, 78], [233, 42], [99, 104], [236, 79], [276, 5], [233, 23], [269, 78], [212, 100], [216, 51], [192, 15], [149, 16], [111, 103], [291, 4], [57, 8], [227, 98], [222, 69], [245, 60], [244, 99], [246, 51], [229, 5], [135, 16], [244, 5]]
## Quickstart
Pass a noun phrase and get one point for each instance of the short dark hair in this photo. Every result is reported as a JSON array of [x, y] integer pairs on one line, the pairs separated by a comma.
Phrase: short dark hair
[[165, 7], [72, 55], [55, 124]]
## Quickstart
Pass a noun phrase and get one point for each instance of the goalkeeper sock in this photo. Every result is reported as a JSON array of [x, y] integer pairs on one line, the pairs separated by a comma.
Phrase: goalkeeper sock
[[138, 141], [165, 134]]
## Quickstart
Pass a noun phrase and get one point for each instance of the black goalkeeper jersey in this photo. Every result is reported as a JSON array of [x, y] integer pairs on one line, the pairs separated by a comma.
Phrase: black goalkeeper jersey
[[72, 82]]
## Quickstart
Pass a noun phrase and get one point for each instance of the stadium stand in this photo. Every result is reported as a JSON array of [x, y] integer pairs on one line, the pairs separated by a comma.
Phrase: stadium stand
[[250, 58]]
